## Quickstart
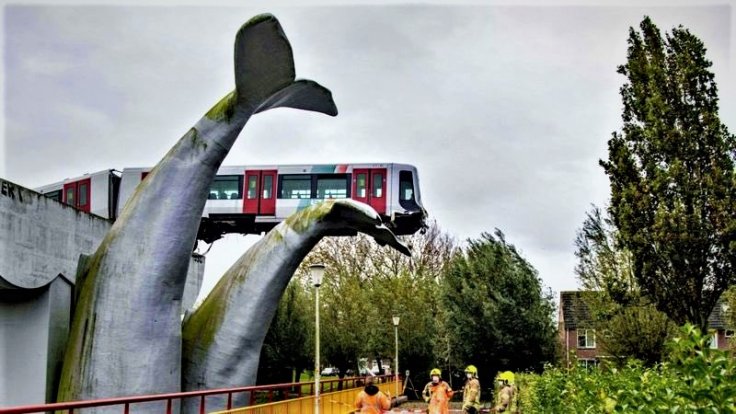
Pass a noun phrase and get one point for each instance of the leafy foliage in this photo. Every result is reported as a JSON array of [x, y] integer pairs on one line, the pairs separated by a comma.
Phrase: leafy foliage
[[287, 348], [365, 285], [672, 178], [498, 317], [626, 323], [694, 379]]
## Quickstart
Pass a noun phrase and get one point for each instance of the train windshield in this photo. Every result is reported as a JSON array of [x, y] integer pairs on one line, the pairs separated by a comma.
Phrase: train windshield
[[406, 186]]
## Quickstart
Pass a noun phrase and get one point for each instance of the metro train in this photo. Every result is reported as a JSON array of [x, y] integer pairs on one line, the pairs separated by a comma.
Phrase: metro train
[[253, 199]]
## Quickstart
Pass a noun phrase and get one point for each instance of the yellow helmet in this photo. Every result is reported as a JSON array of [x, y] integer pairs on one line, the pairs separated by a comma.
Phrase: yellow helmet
[[435, 371], [472, 370], [507, 376]]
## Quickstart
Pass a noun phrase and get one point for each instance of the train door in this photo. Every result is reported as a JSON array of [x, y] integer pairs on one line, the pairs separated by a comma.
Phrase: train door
[[369, 186], [77, 194], [260, 192]]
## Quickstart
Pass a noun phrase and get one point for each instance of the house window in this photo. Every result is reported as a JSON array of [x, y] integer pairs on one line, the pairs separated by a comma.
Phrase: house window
[[713, 341], [729, 333], [586, 338], [587, 363]]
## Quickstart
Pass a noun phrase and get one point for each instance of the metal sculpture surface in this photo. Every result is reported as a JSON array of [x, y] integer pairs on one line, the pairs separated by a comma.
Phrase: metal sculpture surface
[[222, 339], [125, 337]]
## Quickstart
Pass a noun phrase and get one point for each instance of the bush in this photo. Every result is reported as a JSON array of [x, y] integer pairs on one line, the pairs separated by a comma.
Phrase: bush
[[693, 379]]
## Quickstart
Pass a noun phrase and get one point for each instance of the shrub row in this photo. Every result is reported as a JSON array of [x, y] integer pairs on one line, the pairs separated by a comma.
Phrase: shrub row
[[693, 379]]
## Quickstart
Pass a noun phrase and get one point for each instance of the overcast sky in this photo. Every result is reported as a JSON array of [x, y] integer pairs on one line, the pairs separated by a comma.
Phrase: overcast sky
[[505, 110]]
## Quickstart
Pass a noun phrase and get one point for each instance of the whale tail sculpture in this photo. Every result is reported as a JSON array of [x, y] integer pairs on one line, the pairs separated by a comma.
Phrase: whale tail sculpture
[[222, 338], [265, 74], [125, 336]]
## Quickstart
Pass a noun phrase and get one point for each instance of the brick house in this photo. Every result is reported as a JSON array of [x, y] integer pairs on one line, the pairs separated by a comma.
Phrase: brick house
[[578, 338]]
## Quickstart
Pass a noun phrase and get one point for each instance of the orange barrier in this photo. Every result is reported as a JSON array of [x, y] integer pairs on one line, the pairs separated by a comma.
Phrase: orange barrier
[[339, 402]]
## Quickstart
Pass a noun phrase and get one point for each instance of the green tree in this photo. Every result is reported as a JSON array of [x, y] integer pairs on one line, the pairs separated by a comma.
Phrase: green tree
[[672, 178], [498, 316], [365, 285], [287, 349], [627, 324]]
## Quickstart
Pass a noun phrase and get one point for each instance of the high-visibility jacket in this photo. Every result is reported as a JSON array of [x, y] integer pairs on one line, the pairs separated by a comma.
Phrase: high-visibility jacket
[[471, 394], [438, 396], [372, 404]]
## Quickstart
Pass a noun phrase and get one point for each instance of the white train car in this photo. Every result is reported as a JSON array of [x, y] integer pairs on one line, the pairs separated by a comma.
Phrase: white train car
[[94, 193], [253, 199]]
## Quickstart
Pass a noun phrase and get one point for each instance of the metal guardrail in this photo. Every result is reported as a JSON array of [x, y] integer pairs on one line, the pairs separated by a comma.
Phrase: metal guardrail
[[287, 391], [338, 402]]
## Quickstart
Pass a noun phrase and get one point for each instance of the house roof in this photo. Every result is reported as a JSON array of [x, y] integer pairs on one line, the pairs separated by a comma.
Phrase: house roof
[[717, 318], [575, 312]]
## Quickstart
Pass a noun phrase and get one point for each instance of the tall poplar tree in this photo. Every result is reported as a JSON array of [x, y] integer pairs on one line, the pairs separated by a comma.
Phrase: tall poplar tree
[[671, 170]]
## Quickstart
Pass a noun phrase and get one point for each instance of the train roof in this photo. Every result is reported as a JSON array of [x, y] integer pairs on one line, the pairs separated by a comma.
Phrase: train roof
[[57, 185]]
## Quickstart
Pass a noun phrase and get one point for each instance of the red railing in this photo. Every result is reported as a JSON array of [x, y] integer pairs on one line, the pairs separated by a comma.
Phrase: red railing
[[257, 392]]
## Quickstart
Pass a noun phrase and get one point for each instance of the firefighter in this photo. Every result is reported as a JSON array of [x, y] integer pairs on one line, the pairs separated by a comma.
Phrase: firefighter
[[471, 391], [507, 393], [371, 400], [437, 394]]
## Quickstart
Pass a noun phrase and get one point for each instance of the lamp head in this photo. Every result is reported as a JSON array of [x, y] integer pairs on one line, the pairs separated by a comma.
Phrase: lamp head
[[317, 271]]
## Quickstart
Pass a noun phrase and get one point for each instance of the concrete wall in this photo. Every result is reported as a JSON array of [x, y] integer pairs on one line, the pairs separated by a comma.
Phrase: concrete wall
[[41, 238], [40, 244], [34, 324]]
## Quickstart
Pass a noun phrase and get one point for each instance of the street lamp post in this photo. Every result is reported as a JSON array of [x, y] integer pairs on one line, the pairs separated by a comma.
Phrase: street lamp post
[[396, 354], [317, 271]]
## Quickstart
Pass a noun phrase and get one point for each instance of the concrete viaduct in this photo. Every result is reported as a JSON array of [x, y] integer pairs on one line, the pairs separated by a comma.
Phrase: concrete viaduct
[[40, 244]]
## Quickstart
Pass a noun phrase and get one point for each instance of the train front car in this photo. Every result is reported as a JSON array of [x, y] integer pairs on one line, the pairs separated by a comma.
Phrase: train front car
[[407, 211]]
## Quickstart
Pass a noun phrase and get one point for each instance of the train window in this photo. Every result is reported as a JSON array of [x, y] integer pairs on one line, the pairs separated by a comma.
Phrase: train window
[[332, 186], [226, 187], [378, 185], [54, 195], [267, 186], [70, 196], [406, 186], [361, 185], [82, 194], [252, 187], [296, 186]]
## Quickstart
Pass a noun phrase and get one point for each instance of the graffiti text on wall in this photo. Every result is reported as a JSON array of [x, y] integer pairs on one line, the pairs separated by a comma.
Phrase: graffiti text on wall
[[10, 190]]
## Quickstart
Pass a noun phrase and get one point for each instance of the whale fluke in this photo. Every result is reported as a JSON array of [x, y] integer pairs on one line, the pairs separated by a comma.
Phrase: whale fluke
[[222, 338], [265, 74]]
